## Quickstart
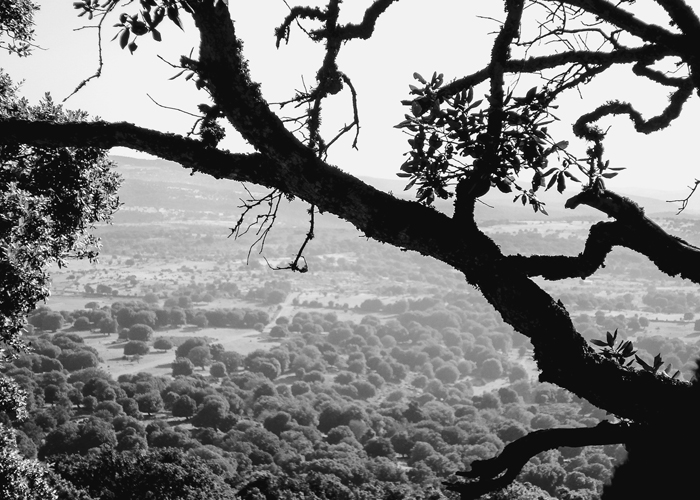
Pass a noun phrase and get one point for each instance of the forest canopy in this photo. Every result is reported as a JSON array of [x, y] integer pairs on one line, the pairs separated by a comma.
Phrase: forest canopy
[[479, 132]]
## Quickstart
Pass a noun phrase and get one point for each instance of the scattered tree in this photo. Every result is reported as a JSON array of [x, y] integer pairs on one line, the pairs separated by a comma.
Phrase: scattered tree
[[136, 347], [82, 324], [184, 406], [461, 148], [200, 356], [108, 325], [217, 370], [150, 298], [141, 332], [150, 403], [182, 366], [162, 344]]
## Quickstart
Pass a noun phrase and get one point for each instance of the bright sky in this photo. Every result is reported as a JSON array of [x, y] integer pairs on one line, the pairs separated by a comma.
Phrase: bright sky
[[447, 37]]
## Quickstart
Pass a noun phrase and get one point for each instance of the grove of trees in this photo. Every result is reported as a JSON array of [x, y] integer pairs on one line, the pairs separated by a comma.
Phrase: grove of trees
[[57, 183]]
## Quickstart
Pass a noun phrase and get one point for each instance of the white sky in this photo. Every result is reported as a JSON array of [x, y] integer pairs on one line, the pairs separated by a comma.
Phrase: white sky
[[447, 37]]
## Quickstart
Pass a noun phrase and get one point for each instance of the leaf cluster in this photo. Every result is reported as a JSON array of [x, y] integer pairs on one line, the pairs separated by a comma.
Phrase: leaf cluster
[[619, 352], [146, 21], [50, 199], [450, 139], [17, 26], [624, 350]]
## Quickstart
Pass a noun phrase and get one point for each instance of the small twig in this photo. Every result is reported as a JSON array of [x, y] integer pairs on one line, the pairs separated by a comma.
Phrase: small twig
[[684, 202], [264, 221], [297, 21], [168, 62], [171, 108], [100, 63], [294, 265], [356, 118]]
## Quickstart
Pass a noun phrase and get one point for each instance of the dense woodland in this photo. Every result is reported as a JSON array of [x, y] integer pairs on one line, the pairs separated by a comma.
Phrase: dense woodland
[[367, 409], [427, 380], [426, 391]]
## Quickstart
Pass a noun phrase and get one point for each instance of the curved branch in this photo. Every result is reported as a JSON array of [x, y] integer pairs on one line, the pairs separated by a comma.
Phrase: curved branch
[[584, 129], [562, 354], [632, 230], [625, 20], [642, 69], [646, 53], [499, 56], [285, 163], [365, 29], [498, 472], [500, 53], [682, 15], [282, 31], [378, 214]]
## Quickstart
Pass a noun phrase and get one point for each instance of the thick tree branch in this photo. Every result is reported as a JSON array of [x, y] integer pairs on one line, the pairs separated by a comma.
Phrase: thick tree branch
[[282, 32], [616, 16], [497, 68], [378, 214], [469, 187], [285, 163], [631, 229], [649, 53], [682, 15], [560, 351], [365, 29], [584, 128], [498, 472]]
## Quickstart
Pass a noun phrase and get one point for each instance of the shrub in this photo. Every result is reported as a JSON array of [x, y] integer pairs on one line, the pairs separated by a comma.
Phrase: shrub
[[447, 374], [82, 324], [108, 325], [162, 344], [395, 396], [79, 360], [200, 321], [543, 421], [299, 388], [200, 356], [379, 447], [136, 347], [278, 331], [182, 366], [150, 298], [184, 406], [140, 332], [150, 403], [189, 344], [218, 370], [269, 367], [365, 390], [344, 378], [372, 305], [491, 369], [313, 376], [232, 361]]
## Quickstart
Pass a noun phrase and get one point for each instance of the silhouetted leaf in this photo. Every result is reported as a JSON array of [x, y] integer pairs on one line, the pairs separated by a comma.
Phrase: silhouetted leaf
[[124, 38]]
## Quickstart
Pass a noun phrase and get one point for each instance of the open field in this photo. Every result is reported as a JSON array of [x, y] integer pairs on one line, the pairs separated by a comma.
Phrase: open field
[[157, 362]]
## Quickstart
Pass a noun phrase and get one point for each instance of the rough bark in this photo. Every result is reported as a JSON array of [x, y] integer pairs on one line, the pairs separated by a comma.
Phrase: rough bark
[[285, 163]]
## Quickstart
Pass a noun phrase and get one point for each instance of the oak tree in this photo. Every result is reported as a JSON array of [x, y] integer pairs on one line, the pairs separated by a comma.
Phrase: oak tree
[[461, 147]]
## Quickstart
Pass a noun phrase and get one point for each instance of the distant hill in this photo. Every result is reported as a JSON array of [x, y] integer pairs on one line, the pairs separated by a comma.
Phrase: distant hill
[[161, 185]]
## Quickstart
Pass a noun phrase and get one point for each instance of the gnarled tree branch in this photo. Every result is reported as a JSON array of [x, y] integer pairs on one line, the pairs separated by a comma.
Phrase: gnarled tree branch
[[631, 229], [498, 472], [285, 163]]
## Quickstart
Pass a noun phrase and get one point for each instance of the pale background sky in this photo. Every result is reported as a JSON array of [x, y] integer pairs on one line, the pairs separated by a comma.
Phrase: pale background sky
[[447, 37]]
